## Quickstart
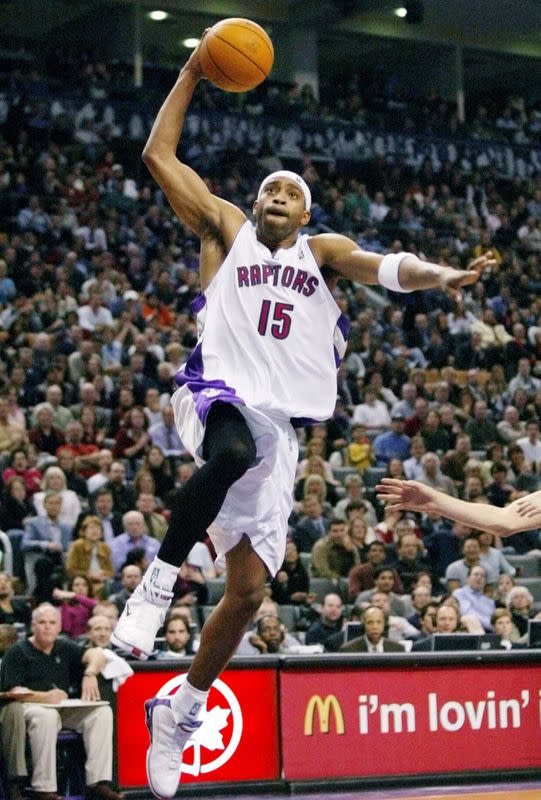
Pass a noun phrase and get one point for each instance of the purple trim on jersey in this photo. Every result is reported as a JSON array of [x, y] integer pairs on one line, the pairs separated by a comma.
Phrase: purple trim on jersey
[[302, 422], [344, 325], [337, 358], [205, 392], [198, 303]]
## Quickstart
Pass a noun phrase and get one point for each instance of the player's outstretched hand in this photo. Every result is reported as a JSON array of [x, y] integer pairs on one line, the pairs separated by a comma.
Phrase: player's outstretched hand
[[193, 64], [529, 505], [401, 495], [453, 280]]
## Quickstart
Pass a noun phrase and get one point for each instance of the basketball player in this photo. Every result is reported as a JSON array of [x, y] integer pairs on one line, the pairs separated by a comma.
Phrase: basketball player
[[270, 339], [523, 514]]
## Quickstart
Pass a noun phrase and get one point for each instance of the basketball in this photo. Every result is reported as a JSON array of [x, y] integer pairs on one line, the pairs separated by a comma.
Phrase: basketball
[[236, 55]]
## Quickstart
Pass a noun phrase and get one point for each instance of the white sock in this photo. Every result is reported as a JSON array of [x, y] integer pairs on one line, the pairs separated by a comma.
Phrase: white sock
[[188, 703], [161, 574]]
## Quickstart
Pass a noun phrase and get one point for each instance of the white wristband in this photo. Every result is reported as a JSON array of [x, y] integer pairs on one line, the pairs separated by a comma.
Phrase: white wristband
[[388, 272]]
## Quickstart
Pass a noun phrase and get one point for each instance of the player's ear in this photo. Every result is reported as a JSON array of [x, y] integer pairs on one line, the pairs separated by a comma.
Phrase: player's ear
[[306, 217], [254, 207]]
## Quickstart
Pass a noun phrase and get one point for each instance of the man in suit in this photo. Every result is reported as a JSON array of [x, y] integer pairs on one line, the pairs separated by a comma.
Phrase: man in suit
[[311, 527], [374, 640], [44, 543]]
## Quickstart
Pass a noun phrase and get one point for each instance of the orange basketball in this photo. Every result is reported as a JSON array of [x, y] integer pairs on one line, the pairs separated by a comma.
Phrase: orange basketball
[[236, 55]]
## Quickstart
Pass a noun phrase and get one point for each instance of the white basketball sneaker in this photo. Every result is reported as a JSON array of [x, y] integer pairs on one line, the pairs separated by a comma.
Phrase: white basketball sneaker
[[142, 618], [167, 741]]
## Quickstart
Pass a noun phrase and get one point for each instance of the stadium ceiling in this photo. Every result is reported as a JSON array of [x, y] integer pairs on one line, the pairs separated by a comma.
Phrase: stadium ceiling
[[501, 39]]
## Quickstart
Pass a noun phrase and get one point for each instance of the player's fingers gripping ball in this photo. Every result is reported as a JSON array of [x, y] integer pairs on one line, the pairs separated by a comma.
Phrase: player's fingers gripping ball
[[236, 55]]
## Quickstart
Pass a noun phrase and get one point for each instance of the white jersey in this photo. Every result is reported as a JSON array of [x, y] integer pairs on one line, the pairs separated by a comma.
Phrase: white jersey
[[270, 333]]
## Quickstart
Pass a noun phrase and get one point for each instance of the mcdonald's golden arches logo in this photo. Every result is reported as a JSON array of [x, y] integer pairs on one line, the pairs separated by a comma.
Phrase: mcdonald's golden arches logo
[[323, 706]]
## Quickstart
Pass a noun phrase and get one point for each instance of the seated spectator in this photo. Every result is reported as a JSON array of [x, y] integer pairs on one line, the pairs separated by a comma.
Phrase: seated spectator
[[46, 437], [311, 526], [431, 475], [90, 556], [472, 598], [250, 640], [510, 428], [384, 581], [330, 621], [134, 536], [453, 463], [49, 667], [480, 428], [92, 433], [99, 629], [410, 560], [177, 639], [372, 413], [315, 447], [54, 480], [44, 543], [102, 507], [399, 628], [359, 452], [421, 597], [334, 554], [12, 435], [433, 433], [457, 572], [291, 584], [101, 477], [442, 540], [164, 435], [413, 466], [132, 439], [122, 491], [15, 510], [502, 624], [130, 578], [360, 535], [492, 558], [361, 578], [13, 610], [86, 453], [74, 481], [395, 469], [159, 467], [502, 589], [520, 603], [155, 523], [393, 443], [531, 444], [374, 640], [20, 467], [76, 605], [314, 483], [499, 491], [446, 619], [61, 414]]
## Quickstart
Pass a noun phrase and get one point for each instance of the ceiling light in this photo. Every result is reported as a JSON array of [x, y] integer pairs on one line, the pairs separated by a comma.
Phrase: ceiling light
[[158, 16], [400, 12], [190, 42]]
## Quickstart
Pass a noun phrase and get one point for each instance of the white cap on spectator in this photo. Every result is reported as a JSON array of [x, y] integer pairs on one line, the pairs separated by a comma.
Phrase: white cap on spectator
[[131, 294]]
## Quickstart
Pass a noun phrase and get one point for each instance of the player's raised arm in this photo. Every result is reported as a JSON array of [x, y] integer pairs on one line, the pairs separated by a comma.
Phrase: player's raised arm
[[400, 272], [207, 215], [415, 496]]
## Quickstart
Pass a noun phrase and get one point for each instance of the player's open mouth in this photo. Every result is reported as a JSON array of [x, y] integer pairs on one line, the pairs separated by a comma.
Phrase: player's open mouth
[[277, 212]]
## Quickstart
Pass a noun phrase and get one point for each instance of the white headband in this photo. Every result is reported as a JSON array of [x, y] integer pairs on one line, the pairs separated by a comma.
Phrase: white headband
[[294, 178]]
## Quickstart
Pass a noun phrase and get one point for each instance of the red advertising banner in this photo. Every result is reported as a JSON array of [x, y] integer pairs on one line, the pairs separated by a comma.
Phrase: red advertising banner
[[343, 723], [238, 740]]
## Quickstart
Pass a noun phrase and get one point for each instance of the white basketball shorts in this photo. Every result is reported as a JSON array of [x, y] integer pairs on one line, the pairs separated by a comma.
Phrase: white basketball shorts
[[259, 503]]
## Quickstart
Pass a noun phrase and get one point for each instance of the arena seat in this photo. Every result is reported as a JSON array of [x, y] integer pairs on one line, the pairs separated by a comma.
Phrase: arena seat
[[527, 566]]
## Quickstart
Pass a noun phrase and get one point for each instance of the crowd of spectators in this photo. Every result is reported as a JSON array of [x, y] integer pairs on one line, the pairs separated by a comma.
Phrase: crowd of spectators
[[96, 283]]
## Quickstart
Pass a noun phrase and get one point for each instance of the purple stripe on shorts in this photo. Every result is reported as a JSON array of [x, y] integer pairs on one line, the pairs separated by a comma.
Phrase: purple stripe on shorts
[[198, 303], [344, 325], [205, 392]]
